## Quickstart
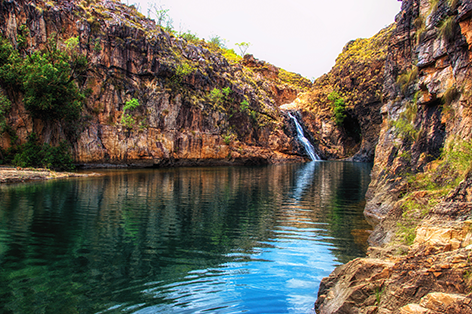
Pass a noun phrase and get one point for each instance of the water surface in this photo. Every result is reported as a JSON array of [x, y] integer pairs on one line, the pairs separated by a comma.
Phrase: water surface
[[186, 240]]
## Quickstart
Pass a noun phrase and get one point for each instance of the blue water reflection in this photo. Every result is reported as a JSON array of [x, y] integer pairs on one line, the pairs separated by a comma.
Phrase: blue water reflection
[[200, 240]]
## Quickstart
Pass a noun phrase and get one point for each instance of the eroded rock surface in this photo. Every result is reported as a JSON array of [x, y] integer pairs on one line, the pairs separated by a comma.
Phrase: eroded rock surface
[[197, 105], [420, 259]]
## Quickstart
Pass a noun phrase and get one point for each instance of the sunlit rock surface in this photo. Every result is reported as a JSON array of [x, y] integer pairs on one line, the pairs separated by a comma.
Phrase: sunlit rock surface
[[179, 120]]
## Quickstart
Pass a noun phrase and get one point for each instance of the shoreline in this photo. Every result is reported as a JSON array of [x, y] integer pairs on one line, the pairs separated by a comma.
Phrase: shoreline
[[10, 174]]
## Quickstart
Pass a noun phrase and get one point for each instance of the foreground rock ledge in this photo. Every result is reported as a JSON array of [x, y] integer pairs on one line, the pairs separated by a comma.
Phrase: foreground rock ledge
[[13, 175]]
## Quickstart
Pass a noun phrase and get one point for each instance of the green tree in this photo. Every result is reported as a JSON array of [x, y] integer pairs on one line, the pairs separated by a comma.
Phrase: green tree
[[243, 47], [338, 108], [126, 119], [217, 42], [49, 89], [46, 78]]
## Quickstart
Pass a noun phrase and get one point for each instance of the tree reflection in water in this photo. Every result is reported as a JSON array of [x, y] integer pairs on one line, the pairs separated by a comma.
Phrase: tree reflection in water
[[162, 240]]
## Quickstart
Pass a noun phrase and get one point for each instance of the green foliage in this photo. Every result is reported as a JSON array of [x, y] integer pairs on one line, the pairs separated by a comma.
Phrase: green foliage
[[446, 28], [161, 14], [406, 231], [22, 37], [451, 94], [32, 154], [244, 106], [72, 43], [338, 108], [243, 47], [420, 25], [189, 36], [226, 91], [294, 79], [406, 79], [217, 42], [227, 139], [5, 106], [46, 79], [97, 47], [404, 125], [434, 5], [427, 189], [217, 95], [182, 70], [378, 294], [49, 91], [127, 120], [231, 56]]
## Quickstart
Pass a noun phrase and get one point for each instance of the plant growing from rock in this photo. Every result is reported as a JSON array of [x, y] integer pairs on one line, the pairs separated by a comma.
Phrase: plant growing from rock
[[338, 108], [127, 120], [217, 42], [404, 80], [446, 28], [5, 106], [33, 154], [243, 47], [403, 126], [182, 70]]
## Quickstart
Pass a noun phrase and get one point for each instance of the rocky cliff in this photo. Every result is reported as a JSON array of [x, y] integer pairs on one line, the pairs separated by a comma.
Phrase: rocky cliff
[[357, 77], [197, 103], [419, 198]]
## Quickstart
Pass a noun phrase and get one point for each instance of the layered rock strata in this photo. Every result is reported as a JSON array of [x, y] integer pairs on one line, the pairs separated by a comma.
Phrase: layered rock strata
[[420, 257], [197, 105]]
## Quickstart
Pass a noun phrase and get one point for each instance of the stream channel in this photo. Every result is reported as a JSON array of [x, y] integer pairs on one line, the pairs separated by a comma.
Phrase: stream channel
[[183, 240]]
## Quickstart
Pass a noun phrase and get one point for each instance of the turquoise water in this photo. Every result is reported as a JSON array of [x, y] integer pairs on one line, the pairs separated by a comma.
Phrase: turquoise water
[[185, 240]]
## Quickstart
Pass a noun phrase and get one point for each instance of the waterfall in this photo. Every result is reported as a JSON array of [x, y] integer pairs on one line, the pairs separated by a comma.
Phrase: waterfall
[[310, 150]]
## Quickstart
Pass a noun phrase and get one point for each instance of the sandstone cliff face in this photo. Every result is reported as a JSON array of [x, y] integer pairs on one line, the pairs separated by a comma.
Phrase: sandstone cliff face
[[419, 200], [178, 121], [357, 76]]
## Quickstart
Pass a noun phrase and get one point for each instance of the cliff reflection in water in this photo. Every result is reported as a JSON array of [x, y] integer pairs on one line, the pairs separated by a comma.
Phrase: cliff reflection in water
[[123, 241]]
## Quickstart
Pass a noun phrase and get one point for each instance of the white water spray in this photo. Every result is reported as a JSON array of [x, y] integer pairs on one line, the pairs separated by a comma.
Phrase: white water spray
[[310, 150]]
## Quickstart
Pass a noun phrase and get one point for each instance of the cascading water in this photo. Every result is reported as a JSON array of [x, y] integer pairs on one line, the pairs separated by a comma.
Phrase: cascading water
[[310, 150]]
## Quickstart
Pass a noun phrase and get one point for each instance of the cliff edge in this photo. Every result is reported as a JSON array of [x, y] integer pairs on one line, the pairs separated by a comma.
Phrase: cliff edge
[[420, 259], [145, 96]]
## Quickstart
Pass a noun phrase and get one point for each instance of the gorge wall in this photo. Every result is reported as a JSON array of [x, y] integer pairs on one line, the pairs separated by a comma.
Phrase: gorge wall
[[357, 78], [420, 259], [198, 103]]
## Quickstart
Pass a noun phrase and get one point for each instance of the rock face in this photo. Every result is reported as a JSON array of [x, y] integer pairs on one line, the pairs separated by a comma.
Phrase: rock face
[[183, 118], [357, 77], [419, 197]]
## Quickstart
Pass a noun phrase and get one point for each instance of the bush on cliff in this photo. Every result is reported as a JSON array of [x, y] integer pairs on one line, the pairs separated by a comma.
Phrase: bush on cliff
[[338, 108], [33, 154], [46, 79]]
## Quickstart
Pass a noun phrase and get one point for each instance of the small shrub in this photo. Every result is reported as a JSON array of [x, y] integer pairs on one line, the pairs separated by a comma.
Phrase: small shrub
[[97, 47], [217, 42], [420, 28], [244, 106], [217, 95], [183, 70], [407, 232], [451, 94], [406, 79], [243, 47], [188, 36], [338, 108], [32, 154], [22, 37], [446, 28], [231, 56], [434, 5], [127, 120], [5, 106], [226, 91]]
